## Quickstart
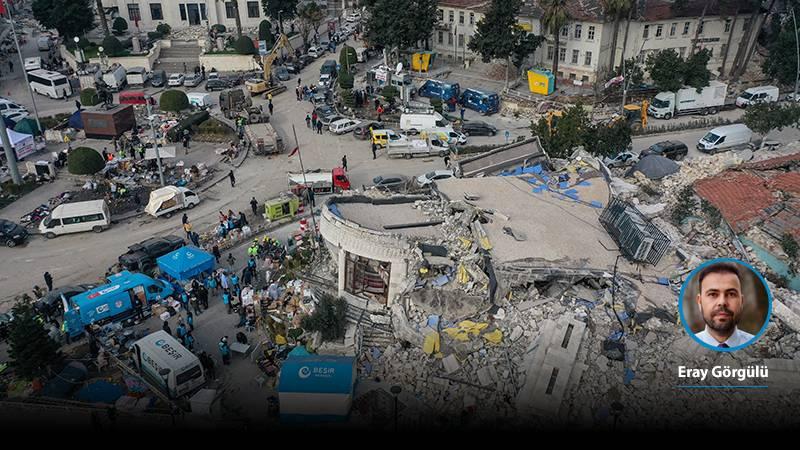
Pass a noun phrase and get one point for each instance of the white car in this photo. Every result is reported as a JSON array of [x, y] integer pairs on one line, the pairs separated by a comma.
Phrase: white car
[[325, 81], [33, 63], [355, 17], [316, 52], [621, 159], [176, 79], [343, 126], [430, 177]]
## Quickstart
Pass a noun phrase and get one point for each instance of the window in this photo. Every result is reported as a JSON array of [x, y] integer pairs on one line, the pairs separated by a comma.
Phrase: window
[[700, 27], [230, 13], [567, 336], [686, 28], [578, 31], [253, 10], [441, 15], [449, 38], [133, 12], [565, 31], [587, 59], [673, 29], [659, 31], [572, 76], [552, 384], [590, 33], [562, 54], [203, 12], [585, 79], [461, 40], [155, 11], [550, 52], [441, 37], [471, 18], [575, 54], [451, 16], [728, 25], [682, 51], [646, 32], [183, 11], [461, 17]]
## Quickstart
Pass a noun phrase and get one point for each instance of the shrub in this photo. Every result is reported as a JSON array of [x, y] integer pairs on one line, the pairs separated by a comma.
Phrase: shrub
[[174, 100], [346, 80], [214, 127], [244, 46], [347, 55], [685, 205], [713, 215], [164, 29], [328, 318], [120, 25], [390, 93], [436, 103], [89, 97], [154, 35], [112, 46], [219, 28], [85, 161], [348, 99], [790, 246], [265, 31]]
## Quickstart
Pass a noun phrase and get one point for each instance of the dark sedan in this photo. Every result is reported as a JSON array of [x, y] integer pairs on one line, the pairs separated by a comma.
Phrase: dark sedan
[[674, 150], [391, 183], [362, 130], [282, 73], [217, 85], [478, 128], [12, 234]]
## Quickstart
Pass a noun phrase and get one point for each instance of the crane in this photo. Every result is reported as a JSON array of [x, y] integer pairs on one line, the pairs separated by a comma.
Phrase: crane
[[268, 59]]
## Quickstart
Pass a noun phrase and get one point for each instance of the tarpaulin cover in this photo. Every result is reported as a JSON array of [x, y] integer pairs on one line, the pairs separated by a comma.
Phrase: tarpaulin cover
[[654, 167], [186, 262], [325, 374], [100, 392], [63, 385], [75, 121], [28, 126]]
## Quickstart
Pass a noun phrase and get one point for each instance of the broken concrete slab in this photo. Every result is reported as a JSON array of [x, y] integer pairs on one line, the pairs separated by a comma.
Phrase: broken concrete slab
[[451, 364], [453, 305]]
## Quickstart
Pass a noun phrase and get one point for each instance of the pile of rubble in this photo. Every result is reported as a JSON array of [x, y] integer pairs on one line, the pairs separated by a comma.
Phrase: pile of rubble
[[191, 33]]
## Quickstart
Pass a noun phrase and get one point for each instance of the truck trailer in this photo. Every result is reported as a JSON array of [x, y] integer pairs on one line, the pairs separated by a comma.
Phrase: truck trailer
[[321, 181], [710, 100], [418, 147]]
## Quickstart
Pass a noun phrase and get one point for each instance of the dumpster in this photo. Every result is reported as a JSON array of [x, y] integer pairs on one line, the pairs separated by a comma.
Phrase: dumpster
[[541, 81]]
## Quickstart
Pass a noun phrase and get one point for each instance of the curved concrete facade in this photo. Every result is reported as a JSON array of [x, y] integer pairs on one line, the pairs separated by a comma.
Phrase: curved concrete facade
[[342, 235]]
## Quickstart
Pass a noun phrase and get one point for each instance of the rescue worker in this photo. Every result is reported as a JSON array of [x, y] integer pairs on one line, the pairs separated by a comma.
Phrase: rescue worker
[[225, 351]]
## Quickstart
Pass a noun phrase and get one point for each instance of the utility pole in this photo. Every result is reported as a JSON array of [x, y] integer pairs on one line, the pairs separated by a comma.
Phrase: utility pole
[[305, 183], [22, 67], [797, 47], [155, 140], [11, 156]]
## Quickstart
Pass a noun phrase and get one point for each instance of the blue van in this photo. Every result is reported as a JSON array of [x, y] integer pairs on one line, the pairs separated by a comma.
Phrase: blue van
[[439, 89], [484, 102], [113, 301]]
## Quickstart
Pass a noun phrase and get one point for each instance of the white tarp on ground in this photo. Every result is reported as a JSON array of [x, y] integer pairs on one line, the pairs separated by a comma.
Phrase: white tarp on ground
[[163, 152], [23, 143]]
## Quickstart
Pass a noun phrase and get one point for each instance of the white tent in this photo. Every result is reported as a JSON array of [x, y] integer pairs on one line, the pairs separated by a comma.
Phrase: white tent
[[23, 143]]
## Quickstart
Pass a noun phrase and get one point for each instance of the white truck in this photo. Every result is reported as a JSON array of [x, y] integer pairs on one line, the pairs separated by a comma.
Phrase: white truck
[[418, 147], [116, 77], [168, 199], [709, 100], [414, 123], [167, 364]]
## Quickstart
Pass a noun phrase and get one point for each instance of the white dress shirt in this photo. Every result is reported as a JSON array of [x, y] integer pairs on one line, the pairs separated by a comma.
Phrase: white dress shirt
[[736, 339]]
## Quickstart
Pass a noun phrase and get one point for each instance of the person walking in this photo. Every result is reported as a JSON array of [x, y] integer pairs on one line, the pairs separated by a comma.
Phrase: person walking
[[462, 114], [195, 238], [232, 178], [181, 333], [185, 219], [231, 260], [195, 301], [184, 67], [374, 149], [314, 118], [188, 341], [166, 328], [77, 105], [216, 253], [11, 67], [223, 281], [242, 219], [225, 351], [226, 300], [270, 107], [48, 280], [208, 365], [308, 121], [319, 127], [190, 318], [344, 162], [254, 206], [187, 228]]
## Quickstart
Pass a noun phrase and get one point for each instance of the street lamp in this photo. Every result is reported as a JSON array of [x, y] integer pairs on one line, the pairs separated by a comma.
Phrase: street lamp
[[102, 56], [76, 39], [395, 390]]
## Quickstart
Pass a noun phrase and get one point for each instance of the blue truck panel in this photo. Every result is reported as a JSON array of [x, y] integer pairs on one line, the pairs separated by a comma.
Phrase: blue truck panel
[[482, 101], [439, 89]]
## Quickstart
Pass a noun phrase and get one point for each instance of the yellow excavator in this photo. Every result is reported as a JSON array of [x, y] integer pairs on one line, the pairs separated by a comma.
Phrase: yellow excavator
[[636, 115], [266, 85]]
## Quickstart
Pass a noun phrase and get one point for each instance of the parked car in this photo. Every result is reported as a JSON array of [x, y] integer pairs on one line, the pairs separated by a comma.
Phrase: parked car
[[478, 128], [51, 303], [621, 159], [361, 131], [325, 81], [343, 126], [8, 106], [12, 234], [430, 177], [328, 120], [293, 67], [217, 85], [316, 52], [391, 183], [141, 257], [158, 78], [325, 111], [282, 73], [305, 59], [193, 79], [675, 150], [176, 79]]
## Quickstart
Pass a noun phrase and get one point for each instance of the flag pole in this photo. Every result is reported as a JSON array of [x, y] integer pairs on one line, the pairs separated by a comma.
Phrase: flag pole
[[305, 182]]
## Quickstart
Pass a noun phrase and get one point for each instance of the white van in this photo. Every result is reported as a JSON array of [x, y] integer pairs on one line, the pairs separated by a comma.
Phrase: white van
[[163, 361], [414, 123], [51, 84], [33, 63], [44, 43], [200, 99], [137, 76], [116, 77], [759, 94], [446, 134], [75, 217], [726, 138]]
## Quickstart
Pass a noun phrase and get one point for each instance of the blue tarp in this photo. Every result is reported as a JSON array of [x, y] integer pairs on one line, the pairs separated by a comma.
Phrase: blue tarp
[[319, 374], [100, 392], [186, 262], [75, 121]]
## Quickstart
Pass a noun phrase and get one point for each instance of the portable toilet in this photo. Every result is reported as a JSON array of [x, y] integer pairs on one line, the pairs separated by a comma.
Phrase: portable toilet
[[284, 206], [541, 81]]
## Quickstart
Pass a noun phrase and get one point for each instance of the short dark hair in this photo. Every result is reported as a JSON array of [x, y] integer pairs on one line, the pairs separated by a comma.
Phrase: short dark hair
[[723, 267]]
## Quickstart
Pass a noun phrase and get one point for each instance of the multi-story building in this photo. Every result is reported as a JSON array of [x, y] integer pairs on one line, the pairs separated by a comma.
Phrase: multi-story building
[[456, 26], [181, 14]]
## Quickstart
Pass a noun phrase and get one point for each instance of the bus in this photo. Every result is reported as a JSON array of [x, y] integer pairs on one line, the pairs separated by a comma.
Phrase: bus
[[51, 84]]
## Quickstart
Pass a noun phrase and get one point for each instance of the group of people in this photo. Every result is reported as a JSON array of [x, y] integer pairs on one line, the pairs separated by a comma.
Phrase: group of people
[[229, 222]]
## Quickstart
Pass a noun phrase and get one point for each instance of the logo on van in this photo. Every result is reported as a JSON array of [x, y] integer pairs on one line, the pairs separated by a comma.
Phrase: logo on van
[[160, 342], [102, 308], [103, 292], [304, 372]]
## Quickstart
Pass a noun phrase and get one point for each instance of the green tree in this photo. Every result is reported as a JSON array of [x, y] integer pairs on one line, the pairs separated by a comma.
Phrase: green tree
[[244, 46], [695, 70], [400, 24], [113, 47], [781, 63], [347, 57], [608, 139], [120, 25], [173, 100], [497, 35], [684, 205], [348, 99], [345, 80], [329, 318], [85, 161], [765, 117], [280, 10], [571, 132], [32, 351], [634, 74], [101, 11], [555, 17], [310, 16], [390, 93], [89, 97], [265, 33], [69, 17], [666, 70]]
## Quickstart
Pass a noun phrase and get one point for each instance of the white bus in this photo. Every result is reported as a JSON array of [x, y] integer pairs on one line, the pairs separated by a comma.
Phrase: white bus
[[51, 84], [75, 217]]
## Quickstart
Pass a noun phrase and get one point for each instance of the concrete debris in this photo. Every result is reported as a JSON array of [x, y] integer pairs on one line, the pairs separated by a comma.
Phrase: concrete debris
[[451, 364]]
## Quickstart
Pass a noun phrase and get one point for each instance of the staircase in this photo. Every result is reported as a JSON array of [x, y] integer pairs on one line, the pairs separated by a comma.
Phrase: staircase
[[372, 334], [171, 59]]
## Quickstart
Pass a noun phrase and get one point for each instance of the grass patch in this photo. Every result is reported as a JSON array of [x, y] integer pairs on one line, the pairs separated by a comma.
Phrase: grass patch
[[11, 192]]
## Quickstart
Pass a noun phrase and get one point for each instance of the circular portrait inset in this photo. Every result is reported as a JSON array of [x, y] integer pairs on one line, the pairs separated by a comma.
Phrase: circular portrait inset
[[725, 304]]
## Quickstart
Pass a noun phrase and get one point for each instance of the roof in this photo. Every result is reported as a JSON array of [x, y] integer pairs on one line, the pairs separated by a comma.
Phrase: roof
[[377, 216], [186, 262], [463, 4], [655, 10]]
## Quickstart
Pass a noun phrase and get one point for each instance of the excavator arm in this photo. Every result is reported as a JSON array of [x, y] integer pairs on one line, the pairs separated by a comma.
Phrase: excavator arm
[[268, 59]]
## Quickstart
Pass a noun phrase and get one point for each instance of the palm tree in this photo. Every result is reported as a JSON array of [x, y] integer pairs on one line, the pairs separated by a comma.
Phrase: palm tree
[[101, 11], [633, 6], [554, 19], [616, 8]]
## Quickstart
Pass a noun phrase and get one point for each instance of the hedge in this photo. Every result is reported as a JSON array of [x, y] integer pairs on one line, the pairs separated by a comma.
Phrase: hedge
[[264, 30], [153, 35], [112, 46], [164, 29], [347, 53], [173, 100], [85, 161], [346, 80], [120, 25], [244, 46], [219, 28], [89, 97]]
